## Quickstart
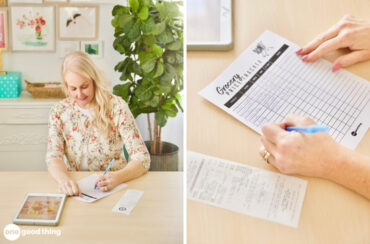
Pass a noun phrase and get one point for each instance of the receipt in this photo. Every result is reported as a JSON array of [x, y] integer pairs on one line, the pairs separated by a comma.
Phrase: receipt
[[128, 202], [245, 189]]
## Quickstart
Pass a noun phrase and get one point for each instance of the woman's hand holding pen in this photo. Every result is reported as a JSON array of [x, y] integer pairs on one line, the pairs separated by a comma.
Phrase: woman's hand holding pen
[[298, 153], [108, 181], [349, 32]]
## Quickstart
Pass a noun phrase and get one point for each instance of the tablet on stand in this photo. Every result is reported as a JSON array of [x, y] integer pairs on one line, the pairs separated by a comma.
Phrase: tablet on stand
[[209, 24]]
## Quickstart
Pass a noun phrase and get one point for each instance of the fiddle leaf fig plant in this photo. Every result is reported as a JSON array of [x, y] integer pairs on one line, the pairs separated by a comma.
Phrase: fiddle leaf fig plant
[[149, 35]]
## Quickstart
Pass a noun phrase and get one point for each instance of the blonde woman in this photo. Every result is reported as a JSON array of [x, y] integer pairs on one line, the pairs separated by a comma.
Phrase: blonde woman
[[90, 127]]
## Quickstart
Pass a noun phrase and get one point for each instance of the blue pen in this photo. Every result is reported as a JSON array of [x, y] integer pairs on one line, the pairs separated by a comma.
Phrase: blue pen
[[308, 129], [106, 170]]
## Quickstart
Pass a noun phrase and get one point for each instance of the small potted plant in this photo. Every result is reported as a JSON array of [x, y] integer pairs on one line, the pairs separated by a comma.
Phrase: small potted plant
[[150, 36]]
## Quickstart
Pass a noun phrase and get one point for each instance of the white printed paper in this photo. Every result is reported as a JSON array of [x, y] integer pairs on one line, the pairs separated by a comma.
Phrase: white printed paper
[[128, 202], [245, 189], [269, 81], [89, 194]]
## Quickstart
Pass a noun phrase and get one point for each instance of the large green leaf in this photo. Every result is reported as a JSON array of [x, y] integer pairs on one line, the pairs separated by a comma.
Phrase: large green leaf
[[143, 13], [144, 93], [169, 107], [166, 37], [117, 32], [136, 69], [179, 58], [145, 55], [148, 25], [123, 21], [174, 46], [123, 68], [148, 39], [134, 32], [147, 3], [168, 10], [165, 79], [170, 57], [157, 50], [134, 5], [148, 65], [172, 111], [163, 89], [126, 76], [152, 102], [170, 70], [159, 70], [120, 65], [158, 28], [161, 118], [178, 101], [123, 91], [118, 45], [119, 9]]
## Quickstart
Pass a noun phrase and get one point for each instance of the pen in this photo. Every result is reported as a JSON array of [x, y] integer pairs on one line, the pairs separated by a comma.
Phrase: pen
[[308, 129], [106, 170]]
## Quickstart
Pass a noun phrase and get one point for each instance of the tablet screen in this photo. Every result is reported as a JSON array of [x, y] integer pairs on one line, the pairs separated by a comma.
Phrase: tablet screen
[[40, 208], [209, 24], [203, 21]]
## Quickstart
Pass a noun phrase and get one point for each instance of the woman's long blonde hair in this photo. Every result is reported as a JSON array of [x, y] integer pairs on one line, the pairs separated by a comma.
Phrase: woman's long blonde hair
[[100, 107]]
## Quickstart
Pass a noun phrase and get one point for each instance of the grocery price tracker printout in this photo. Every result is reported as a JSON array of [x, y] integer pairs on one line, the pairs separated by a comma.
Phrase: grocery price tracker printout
[[269, 81]]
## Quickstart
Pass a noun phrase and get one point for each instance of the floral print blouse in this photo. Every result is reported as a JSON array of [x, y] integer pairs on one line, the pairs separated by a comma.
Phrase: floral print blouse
[[71, 134]]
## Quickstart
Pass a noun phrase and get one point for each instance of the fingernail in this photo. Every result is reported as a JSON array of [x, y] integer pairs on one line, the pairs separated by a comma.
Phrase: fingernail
[[336, 67], [299, 51], [305, 57]]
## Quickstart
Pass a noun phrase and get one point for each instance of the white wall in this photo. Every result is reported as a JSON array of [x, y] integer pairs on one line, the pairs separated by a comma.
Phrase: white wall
[[45, 66]]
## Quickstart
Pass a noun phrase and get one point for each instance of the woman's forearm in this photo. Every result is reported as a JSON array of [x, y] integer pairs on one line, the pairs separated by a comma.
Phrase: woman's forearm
[[133, 170], [58, 170], [353, 172]]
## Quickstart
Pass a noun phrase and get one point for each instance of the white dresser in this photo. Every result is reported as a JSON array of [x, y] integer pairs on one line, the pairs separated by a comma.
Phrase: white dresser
[[23, 132]]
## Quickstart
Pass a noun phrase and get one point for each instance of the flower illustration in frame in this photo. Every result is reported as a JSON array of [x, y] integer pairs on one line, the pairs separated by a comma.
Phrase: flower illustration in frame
[[33, 28]]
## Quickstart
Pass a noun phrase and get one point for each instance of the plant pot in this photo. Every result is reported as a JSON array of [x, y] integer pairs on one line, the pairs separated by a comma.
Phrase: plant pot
[[167, 161]]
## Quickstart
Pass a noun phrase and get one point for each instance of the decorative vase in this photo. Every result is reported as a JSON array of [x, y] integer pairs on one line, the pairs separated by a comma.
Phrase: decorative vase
[[38, 35], [167, 161]]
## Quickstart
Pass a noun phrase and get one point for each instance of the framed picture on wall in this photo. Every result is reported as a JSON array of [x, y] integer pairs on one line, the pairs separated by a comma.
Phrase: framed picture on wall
[[93, 48], [66, 47], [3, 3], [78, 22], [33, 28], [4, 39], [122, 2], [25, 1], [55, 1]]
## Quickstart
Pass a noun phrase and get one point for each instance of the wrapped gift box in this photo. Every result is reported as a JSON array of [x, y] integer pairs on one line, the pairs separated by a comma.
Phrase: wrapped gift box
[[10, 85]]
